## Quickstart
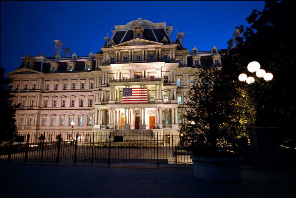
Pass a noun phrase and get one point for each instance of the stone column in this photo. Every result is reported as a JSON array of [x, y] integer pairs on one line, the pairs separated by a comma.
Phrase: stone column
[[176, 115], [156, 92], [125, 116], [156, 117], [172, 114], [160, 117], [160, 92]]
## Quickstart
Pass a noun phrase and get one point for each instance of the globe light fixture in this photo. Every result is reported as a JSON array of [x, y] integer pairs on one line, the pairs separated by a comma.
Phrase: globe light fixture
[[242, 77], [250, 80], [72, 123], [268, 76], [260, 73], [253, 66]]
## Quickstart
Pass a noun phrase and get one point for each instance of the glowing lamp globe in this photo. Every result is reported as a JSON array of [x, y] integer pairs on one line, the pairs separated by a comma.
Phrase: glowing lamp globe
[[260, 73], [250, 80], [72, 123], [253, 66], [268, 76], [242, 77]]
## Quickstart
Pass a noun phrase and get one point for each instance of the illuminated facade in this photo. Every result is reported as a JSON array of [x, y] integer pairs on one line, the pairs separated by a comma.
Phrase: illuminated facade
[[55, 91]]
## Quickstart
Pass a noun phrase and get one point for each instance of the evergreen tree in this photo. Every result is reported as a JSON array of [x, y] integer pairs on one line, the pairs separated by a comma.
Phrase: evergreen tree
[[7, 111]]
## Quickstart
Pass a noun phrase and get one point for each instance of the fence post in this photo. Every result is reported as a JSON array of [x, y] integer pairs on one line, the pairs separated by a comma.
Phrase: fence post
[[157, 150], [10, 149], [75, 149], [109, 151], [27, 148], [42, 147], [92, 148], [59, 137]]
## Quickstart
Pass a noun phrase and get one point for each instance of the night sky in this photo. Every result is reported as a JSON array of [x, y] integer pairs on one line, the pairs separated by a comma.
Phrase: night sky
[[31, 27]]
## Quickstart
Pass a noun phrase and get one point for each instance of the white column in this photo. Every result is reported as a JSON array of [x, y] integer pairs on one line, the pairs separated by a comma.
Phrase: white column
[[144, 112], [125, 116], [160, 115], [156, 116], [172, 114], [176, 115], [156, 92], [160, 92]]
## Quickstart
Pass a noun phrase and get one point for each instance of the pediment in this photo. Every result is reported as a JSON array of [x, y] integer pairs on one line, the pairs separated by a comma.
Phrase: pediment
[[24, 71], [138, 41]]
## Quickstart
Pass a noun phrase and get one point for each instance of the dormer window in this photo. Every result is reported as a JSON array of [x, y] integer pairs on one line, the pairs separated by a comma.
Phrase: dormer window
[[74, 56], [196, 63], [70, 68], [216, 62], [138, 31], [138, 35], [151, 57]]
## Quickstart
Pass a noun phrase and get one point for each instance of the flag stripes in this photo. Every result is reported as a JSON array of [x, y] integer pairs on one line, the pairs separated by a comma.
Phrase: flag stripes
[[134, 95]]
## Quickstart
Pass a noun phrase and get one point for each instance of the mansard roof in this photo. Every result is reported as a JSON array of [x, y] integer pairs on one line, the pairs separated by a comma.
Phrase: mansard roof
[[152, 32]]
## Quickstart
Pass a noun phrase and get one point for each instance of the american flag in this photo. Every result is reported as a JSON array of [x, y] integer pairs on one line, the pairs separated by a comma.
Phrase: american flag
[[134, 95]]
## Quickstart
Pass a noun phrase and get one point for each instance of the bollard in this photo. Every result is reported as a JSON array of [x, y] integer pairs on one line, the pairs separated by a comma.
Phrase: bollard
[[75, 149], [59, 139], [27, 148]]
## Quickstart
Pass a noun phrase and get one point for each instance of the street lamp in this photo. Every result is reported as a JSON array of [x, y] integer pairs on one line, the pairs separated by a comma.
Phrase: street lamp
[[252, 67]]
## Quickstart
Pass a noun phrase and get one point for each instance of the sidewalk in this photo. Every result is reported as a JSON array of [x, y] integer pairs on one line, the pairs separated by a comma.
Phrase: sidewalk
[[68, 181]]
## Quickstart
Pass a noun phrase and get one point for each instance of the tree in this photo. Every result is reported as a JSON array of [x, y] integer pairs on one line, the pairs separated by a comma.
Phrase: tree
[[218, 112], [7, 110], [270, 40]]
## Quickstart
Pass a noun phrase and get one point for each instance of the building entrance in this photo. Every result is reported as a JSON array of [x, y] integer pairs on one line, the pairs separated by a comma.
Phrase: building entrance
[[137, 122], [122, 123], [152, 122]]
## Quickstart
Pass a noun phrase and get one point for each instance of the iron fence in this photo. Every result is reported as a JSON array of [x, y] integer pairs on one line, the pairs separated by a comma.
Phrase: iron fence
[[108, 147]]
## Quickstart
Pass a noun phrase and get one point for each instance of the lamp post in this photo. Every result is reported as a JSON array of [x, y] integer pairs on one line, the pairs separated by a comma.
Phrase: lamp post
[[263, 139]]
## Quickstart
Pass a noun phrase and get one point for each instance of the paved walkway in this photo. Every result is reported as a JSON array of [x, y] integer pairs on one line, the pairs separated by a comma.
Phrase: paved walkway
[[68, 181]]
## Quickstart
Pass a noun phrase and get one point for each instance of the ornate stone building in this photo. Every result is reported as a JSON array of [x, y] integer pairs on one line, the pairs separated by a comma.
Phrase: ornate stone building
[[98, 92]]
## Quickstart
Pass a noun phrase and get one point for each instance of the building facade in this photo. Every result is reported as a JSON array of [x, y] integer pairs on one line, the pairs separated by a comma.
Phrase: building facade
[[95, 92]]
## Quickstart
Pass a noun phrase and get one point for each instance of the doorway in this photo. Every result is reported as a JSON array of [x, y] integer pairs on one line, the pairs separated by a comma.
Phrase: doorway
[[122, 122], [152, 122], [137, 122]]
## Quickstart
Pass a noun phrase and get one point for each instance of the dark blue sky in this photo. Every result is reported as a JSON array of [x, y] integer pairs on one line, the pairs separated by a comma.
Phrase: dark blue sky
[[31, 27]]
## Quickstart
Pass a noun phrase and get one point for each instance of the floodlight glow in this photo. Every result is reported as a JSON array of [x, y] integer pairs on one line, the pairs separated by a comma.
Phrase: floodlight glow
[[242, 77], [250, 80], [268, 76], [260, 73]]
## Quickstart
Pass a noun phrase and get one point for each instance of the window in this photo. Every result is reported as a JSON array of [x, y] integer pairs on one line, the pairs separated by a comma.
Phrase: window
[[70, 68], [34, 86], [62, 121], [17, 87], [91, 85], [178, 82], [54, 103], [52, 121], [21, 121], [179, 98], [112, 60], [151, 57], [72, 102], [179, 119], [25, 87], [125, 59], [165, 58], [89, 120], [81, 103], [192, 83], [71, 119], [47, 86], [88, 67], [138, 58], [45, 102], [151, 97], [90, 102], [165, 98], [80, 121], [64, 86], [63, 102], [82, 85], [56, 86], [196, 63], [138, 35], [216, 61], [43, 122], [29, 121], [32, 103], [73, 85], [166, 79]]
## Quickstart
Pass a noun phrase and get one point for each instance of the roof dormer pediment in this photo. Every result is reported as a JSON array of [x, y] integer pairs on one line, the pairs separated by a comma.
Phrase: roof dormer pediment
[[24, 71], [136, 42]]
